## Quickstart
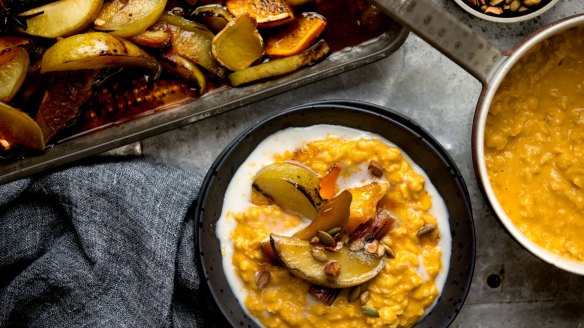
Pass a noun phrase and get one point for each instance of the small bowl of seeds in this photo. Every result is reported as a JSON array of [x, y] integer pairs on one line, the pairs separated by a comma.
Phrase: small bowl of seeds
[[506, 11]]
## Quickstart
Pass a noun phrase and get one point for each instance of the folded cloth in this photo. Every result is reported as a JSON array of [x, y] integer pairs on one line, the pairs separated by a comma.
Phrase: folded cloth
[[107, 244]]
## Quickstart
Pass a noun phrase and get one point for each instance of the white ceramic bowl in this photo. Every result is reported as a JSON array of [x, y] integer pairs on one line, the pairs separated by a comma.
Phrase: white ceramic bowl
[[519, 17], [478, 137]]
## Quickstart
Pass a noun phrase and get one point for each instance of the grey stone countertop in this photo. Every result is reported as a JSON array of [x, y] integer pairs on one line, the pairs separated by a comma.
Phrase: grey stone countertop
[[423, 84]]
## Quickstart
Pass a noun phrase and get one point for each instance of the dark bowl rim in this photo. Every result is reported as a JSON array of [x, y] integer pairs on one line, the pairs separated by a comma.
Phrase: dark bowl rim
[[374, 109]]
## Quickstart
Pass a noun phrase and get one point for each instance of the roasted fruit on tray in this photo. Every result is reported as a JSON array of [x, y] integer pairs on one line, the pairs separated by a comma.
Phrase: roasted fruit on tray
[[69, 66]]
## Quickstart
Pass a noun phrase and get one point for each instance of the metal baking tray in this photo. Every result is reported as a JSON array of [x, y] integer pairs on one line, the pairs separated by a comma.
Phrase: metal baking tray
[[212, 103]]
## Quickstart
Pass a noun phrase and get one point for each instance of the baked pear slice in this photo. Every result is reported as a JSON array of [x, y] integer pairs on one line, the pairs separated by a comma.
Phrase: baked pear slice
[[292, 186], [61, 18], [96, 50], [128, 18], [14, 63], [17, 128], [355, 267]]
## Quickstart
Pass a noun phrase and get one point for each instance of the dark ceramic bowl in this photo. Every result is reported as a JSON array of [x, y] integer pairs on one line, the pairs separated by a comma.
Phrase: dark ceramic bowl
[[422, 148]]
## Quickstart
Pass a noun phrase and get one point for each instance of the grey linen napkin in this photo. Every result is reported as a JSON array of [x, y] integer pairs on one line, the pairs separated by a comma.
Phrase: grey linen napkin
[[106, 244]]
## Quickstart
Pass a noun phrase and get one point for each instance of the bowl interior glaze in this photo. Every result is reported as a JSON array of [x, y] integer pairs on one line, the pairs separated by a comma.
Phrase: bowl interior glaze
[[406, 134]]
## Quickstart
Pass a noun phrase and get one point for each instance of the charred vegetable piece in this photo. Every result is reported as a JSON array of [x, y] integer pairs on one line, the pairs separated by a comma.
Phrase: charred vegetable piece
[[14, 65], [185, 69], [355, 268], [62, 101], [239, 44], [17, 128], [297, 36], [291, 186], [214, 16], [267, 13], [61, 18], [128, 18], [334, 213], [280, 66], [193, 41], [95, 50]]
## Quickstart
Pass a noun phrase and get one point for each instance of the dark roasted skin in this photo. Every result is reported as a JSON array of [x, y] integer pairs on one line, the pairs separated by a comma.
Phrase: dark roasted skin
[[9, 10]]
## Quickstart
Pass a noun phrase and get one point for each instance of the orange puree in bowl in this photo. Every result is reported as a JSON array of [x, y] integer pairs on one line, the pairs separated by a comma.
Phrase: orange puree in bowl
[[534, 144], [400, 293]]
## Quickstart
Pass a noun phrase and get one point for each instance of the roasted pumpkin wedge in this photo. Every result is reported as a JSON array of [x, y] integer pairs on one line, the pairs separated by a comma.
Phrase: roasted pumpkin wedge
[[296, 36], [239, 44], [14, 65], [61, 18], [280, 66], [17, 128], [335, 213], [96, 50], [267, 13], [291, 186], [214, 16], [193, 41], [185, 69], [354, 267], [128, 18]]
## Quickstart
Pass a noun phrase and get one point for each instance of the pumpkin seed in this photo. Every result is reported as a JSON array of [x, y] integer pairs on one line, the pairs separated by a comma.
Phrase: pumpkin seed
[[325, 238], [495, 2], [389, 252], [380, 250], [514, 6], [315, 240], [354, 293], [319, 254], [386, 240], [364, 297], [426, 230], [531, 3], [262, 278], [369, 311], [334, 231]]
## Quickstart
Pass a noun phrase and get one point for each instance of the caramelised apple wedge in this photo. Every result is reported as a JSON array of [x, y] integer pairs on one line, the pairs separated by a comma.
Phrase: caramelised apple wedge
[[128, 18], [17, 128], [335, 213], [61, 18], [95, 50], [340, 269], [14, 63], [292, 186]]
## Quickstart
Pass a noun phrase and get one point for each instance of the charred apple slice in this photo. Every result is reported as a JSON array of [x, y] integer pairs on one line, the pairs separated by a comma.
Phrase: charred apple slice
[[291, 186], [17, 128], [334, 213], [352, 268], [128, 18], [95, 50], [185, 69], [14, 65], [61, 18]]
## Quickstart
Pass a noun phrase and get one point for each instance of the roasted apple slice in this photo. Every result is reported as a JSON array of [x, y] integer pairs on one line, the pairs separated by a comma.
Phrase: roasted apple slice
[[129, 18], [193, 41], [17, 128], [14, 65], [280, 66], [239, 44], [290, 185], [61, 18], [185, 69], [214, 16], [334, 213], [351, 268], [95, 50]]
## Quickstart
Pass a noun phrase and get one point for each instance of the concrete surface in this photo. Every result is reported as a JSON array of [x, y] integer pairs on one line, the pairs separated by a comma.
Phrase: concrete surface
[[426, 86]]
